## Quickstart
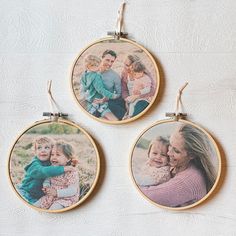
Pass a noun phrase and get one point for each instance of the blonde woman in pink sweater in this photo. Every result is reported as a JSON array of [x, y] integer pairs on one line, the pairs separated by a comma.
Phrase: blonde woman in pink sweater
[[193, 174]]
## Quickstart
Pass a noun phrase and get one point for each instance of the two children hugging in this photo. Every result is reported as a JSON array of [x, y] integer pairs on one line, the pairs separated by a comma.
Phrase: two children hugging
[[156, 169], [51, 180]]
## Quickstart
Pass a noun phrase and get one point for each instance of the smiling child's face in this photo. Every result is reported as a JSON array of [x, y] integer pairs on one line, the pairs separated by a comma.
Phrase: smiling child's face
[[58, 158], [158, 155], [43, 151]]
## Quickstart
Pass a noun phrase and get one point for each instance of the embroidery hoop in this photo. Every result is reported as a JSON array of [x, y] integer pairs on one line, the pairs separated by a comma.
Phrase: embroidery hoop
[[56, 118], [219, 159], [179, 117], [119, 36]]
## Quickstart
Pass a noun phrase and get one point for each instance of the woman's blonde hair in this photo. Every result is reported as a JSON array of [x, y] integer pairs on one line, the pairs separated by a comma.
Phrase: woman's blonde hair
[[199, 149], [68, 151]]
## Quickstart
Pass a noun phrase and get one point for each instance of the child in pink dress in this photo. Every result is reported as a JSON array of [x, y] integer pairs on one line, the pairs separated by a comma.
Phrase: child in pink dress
[[63, 190], [156, 169], [138, 85]]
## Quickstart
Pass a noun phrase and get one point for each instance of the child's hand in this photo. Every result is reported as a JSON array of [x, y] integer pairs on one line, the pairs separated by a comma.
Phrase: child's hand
[[44, 189], [131, 98], [51, 192], [69, 168]]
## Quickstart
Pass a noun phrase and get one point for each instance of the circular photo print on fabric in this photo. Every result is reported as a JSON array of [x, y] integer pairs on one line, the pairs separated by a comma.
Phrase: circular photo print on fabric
[[54, 166], [115, 81], [175, 164]]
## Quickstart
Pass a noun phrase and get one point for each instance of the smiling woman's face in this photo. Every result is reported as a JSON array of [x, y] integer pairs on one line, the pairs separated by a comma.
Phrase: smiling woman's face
[[177, 153]]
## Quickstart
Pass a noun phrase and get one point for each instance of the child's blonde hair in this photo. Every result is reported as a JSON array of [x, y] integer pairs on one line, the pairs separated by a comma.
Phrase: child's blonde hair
[[68, 151], [92, 60], [138, 67], [160, 139], [42, 140]]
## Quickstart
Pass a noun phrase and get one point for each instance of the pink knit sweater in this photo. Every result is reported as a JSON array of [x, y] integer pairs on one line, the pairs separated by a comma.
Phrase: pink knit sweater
[[184, 189]]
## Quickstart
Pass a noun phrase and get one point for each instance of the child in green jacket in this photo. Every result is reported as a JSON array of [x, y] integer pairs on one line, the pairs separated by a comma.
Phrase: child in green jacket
[[38, 170], [94, 88]]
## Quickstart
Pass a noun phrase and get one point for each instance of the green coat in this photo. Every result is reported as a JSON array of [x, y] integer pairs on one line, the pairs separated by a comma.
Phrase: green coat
[[36, 172], [94, 87]]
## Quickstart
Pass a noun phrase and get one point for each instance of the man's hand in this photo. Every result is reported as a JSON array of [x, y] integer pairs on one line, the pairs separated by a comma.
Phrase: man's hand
[[100, 100]]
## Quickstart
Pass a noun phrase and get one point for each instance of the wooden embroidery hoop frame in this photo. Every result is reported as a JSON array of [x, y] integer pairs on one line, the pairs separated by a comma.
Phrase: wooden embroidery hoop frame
[[219, 158], [121, 39], [65, 122]]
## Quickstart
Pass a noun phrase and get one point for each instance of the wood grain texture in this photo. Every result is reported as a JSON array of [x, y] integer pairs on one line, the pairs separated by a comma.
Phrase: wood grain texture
[[193, 40]]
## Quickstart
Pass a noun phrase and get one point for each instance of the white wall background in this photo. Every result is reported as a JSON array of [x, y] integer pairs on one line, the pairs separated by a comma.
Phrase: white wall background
[[194, 40]]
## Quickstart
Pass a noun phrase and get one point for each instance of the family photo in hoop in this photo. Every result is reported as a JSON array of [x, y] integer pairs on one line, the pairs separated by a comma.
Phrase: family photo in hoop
[[175, 164], [115, 80], [53, 166]]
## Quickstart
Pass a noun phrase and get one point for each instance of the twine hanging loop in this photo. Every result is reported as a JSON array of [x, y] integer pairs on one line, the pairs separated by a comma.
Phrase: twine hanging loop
[[55, 110], [178, 114], [119, 23], [178, 98]]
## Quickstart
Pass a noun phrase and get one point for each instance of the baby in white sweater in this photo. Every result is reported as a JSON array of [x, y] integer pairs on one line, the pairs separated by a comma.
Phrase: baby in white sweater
[[156, 169]]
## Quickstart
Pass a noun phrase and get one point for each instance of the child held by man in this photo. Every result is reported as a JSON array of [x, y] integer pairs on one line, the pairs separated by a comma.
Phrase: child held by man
[[94, 88]]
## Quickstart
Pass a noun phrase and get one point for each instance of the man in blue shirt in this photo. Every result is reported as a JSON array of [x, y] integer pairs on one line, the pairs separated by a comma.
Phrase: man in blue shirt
[[112, 81]]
